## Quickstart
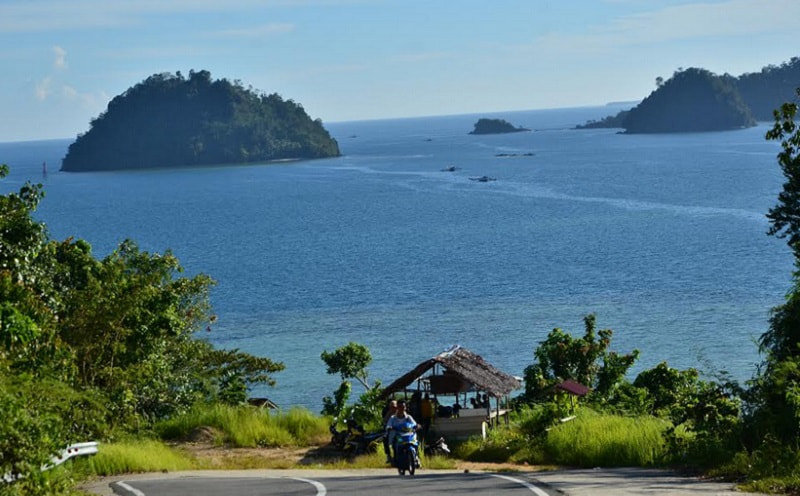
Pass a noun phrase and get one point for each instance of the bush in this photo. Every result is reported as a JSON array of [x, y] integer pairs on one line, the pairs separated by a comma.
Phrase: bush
[[29, 436]]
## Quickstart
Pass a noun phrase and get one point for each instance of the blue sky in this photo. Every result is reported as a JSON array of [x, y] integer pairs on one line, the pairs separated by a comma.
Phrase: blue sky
[[63, 60]]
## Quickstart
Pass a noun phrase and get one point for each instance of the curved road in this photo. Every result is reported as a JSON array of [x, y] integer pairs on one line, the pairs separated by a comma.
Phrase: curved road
[[429, 484], [385, 482]]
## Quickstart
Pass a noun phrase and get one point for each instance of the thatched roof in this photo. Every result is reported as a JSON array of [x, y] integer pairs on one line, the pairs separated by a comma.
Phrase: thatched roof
[[463, 364]]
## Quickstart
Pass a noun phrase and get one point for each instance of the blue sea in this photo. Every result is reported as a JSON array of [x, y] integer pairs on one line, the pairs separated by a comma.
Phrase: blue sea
[[661, 236]]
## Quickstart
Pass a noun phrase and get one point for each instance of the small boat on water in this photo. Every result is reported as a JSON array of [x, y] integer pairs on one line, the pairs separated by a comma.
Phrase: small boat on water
[[483, 179], [451, 168]]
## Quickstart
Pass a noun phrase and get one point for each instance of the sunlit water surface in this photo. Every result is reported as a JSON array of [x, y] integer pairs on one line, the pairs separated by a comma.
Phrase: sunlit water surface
[[662, 237]]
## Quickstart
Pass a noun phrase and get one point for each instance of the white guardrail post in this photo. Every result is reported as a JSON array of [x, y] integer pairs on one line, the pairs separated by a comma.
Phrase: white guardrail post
[[71, 451]]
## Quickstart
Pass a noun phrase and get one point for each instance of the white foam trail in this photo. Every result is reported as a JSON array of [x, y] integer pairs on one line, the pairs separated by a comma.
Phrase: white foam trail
[[448, 181]]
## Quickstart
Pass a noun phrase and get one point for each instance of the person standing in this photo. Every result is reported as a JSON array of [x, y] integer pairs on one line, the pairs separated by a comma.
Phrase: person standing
[[388, 412]]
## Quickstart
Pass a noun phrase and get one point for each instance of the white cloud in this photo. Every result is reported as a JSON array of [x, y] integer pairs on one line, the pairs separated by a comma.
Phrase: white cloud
[[61, 57], [730, 18], [691, 21], [91, 101], [42, 89]]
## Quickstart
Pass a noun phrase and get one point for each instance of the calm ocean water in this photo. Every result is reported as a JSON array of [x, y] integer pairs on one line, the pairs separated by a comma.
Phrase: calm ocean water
[[663, 237]]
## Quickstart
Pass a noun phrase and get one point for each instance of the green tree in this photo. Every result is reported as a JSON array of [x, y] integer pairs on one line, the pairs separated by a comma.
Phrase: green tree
[[236, 371], [785, 216], [774, 396], [708, 409], [351, 362], [586, 360]]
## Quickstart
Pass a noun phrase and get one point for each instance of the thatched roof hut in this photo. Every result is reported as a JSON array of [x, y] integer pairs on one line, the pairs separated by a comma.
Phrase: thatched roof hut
[[463, 371]]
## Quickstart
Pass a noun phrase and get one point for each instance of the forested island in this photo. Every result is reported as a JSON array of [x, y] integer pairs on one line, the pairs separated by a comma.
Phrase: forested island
[[698, 100], [169, 120], [495, 126]]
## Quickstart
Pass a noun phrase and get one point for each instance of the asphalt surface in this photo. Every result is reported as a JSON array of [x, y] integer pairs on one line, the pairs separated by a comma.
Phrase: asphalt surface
[[384, 482]]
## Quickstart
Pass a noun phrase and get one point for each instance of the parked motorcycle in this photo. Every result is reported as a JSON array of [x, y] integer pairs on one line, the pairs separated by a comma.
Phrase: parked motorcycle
[[361, 442], [354, 440], [437, 448], [338, 438]]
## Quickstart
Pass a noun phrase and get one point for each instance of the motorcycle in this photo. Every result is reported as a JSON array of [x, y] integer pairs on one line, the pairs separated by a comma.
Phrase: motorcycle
[[438, 448], [338, 438], [406, 449], [360, 442], [354, 440]]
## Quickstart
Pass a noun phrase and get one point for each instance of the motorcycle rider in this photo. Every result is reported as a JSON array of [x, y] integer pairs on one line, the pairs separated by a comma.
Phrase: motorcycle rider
[[399, 420]]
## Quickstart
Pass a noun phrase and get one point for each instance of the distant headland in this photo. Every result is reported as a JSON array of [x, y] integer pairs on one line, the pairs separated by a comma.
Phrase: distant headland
[[495, 126], [169, 120], [695, 100]]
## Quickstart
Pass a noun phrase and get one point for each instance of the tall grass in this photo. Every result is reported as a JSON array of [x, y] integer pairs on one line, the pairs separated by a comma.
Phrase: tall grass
[[133, 457], [600, 440], [248, 427], [501, 445]]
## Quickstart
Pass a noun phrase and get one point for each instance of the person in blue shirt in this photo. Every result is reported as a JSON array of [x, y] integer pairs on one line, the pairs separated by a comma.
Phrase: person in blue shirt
[[400, 421]]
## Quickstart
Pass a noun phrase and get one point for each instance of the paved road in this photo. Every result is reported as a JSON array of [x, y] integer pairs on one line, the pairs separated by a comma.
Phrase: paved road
[[385, 482], [429, 484]]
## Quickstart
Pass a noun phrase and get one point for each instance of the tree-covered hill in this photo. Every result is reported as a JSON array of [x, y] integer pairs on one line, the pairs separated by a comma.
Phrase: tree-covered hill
[[767, 90], [695, 97], [495, 126], [692, 100], [169, 120]]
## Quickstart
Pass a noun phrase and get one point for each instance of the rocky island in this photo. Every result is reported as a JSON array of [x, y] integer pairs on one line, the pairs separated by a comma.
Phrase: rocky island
[[169, 120], [495, 126]]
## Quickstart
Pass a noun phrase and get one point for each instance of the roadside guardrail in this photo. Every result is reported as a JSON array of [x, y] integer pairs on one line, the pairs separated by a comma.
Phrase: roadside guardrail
[[71, 451]]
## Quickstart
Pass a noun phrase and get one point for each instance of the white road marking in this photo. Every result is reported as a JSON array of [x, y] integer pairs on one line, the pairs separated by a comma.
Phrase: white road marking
[[133, 490], [530, 486], [321, 490]]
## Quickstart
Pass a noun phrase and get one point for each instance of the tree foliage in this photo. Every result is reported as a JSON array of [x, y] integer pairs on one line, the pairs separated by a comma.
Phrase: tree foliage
[[495, 126], [350, 362], [586, 360], [691, 100], [769, 88], [756, 94], [774, 395], [785, 216], [89, 347], [168, 120]]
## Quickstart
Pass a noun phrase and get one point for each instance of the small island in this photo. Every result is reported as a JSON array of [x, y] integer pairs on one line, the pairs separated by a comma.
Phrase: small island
[[169, 120], [694, 100], [495, 126]]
